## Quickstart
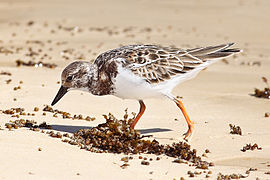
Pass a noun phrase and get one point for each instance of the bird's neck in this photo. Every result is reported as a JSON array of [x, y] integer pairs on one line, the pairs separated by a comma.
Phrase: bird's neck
[[102, 82]]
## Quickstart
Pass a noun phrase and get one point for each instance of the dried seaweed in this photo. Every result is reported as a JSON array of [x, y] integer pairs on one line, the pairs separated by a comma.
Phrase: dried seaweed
[[235, 129], [26, 123], [116, 136], [230, 176], [5, 73], [35, 64], [250, 147], [265, 93], [66, 115]]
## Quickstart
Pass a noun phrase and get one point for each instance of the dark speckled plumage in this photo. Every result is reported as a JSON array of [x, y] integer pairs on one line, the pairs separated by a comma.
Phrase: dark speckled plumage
[[156, 63]]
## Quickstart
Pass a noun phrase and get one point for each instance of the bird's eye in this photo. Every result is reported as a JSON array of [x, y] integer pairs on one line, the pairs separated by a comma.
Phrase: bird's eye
[[69, 78]]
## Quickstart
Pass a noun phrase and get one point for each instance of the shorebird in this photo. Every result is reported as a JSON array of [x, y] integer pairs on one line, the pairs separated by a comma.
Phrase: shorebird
[[141, 71]]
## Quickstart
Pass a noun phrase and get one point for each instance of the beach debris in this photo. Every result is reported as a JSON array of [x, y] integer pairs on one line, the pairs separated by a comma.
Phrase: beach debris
[[8, 81], [204, 155], [235, 129], [250, 147], [66, 115], [16, 112], [5, 73], [265, 93], [35, 42], [5, 51], [116, 136], [12, 111], [267, 114], [35, 64], [251, 63], [124, 166], [191, 174], [30, 23], [27, 123], [251, 169], [43, 125], [55, 135], [125, 159], [179, 161], [145, 163], [17, 88], [230, 176]]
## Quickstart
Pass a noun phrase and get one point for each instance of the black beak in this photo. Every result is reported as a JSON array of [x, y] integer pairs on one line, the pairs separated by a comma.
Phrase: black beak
[[62, 91]]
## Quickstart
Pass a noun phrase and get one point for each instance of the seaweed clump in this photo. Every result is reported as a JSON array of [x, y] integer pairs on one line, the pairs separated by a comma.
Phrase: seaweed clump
[[251, 147], [116, 136], [265, 93], [5, 73], [66, 115], [230, 176], [35, 64], [235, 129], [26, 123]]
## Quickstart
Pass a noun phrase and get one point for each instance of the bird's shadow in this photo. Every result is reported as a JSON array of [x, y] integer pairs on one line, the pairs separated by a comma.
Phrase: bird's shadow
[[73, 129], [69, 128], [153, 130]]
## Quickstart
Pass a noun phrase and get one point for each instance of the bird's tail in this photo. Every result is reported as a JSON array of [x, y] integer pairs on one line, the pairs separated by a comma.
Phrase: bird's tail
[[213, 52]]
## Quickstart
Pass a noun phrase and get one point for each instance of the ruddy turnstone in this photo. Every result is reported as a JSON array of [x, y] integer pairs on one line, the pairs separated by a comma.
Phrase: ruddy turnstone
[[139, 72]]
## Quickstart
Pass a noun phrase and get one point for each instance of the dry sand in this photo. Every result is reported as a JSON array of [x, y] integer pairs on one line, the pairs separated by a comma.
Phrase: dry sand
[[219, 96]]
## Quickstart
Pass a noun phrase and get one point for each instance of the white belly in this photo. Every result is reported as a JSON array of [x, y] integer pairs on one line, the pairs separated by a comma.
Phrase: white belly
[[130, 86]]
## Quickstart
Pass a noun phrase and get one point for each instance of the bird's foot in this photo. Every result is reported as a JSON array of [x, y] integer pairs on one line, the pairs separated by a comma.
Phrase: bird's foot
[[188, 134]]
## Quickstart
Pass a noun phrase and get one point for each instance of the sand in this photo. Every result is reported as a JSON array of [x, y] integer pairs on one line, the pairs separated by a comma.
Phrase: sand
[[219, 96]]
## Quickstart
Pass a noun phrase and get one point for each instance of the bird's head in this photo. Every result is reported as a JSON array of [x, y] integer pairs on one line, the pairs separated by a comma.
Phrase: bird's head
[[77, 75]]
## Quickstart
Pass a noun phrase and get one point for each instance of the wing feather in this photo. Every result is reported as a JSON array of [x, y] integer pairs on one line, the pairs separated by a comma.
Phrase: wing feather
[[156, 63]]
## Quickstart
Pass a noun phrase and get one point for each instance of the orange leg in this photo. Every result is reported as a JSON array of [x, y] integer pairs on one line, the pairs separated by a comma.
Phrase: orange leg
[[142, 109], [189, 122]]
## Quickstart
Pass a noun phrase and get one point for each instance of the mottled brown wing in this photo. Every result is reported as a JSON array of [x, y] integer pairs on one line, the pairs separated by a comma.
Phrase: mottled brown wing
[[156, 64]]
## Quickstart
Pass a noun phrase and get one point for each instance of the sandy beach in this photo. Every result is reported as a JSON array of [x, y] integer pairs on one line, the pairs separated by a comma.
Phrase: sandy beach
[[60, 32]]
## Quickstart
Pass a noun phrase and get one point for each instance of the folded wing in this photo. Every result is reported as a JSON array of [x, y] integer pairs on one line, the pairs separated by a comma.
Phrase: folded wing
[[156, 64]]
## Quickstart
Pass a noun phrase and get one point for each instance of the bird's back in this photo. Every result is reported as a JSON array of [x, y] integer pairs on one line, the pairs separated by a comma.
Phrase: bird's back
[[156, 64]]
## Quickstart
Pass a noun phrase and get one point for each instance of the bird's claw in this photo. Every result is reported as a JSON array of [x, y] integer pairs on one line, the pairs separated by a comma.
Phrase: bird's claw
[[188, 134]]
